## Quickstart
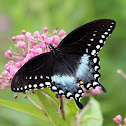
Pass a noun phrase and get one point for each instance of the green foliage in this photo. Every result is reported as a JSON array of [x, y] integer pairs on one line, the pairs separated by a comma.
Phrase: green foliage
[[93, 115], [23, 108], [50, 107]]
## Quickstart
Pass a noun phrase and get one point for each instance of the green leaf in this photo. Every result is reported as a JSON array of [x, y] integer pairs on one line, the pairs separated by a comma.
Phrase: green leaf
[[93, 115], [51, 94], [23, 108], [50, 110], [70, 118], [73, 107]]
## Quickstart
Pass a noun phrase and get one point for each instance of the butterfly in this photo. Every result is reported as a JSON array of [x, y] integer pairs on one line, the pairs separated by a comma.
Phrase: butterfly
[[71, 65]]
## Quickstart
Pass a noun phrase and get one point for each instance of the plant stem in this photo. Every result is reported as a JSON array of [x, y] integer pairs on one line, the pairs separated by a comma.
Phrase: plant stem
[[77, 117], [121, 73], [59, 105], [62, 107], [28, 98]]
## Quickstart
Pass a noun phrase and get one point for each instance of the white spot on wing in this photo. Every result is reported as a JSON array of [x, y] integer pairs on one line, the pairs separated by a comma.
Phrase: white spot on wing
[[102, 36], [86, 50], [41, 84], [47, 83], [36, 77], [95, 60], [98, 46], [35, 85], [77, 95], [93, 52], [25, 87], [30, 77], [54, 88], [61, 92], [106, 33], [91, 39], [41, 77], [29, 85], [96, 75], [79, 91], [47, 77], [101, 41], [109, 29], [95, 83], [96, 67], [88, 85], [89, 44], [69, 94]]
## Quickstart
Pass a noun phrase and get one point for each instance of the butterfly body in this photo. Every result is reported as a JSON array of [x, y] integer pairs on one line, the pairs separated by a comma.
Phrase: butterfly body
[[73, 63]]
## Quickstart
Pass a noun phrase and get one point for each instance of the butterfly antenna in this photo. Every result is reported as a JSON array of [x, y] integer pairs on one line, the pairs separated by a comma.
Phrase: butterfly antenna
[[56, 28]]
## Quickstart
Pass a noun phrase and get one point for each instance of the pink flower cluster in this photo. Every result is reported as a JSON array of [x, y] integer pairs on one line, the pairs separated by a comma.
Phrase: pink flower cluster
[[92, 92], [118, 120], [27, 46]]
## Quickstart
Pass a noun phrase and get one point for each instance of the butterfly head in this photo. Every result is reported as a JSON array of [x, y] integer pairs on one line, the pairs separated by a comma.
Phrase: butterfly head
[[52, 48]]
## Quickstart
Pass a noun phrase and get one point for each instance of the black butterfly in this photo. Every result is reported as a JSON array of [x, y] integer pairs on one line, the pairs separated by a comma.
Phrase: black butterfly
[[73, 63]]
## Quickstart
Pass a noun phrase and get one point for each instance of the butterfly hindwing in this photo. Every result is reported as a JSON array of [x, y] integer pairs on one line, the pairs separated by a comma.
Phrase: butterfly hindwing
[[64, 81]]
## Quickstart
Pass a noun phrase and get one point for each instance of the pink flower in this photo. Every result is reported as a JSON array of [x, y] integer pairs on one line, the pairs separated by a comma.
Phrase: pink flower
[[15, 95], [36, 34], [28, 34], [62, 33], [1, 78], [21, 37], [125, 120], [23, 32], [14, 39], [49, 40], [8, 53], [21, 44], [55, 31], [96, 91], [3, 85], [117, 119], [63, 37], [46, 29]]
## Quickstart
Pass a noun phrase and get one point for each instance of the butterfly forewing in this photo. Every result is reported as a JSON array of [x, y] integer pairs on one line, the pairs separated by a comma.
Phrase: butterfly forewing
[[35, 74], [73, 63], [88, 38]]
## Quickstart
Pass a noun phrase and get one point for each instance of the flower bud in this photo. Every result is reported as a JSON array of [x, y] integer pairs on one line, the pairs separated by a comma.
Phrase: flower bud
[[15, 95], [36, 34], [8, 53], [46, 29], [23, 32], [62, 33], [117, 119]]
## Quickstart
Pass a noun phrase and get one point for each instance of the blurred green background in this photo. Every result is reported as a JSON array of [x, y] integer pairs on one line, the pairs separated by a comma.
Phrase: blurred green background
[[32, 15]]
